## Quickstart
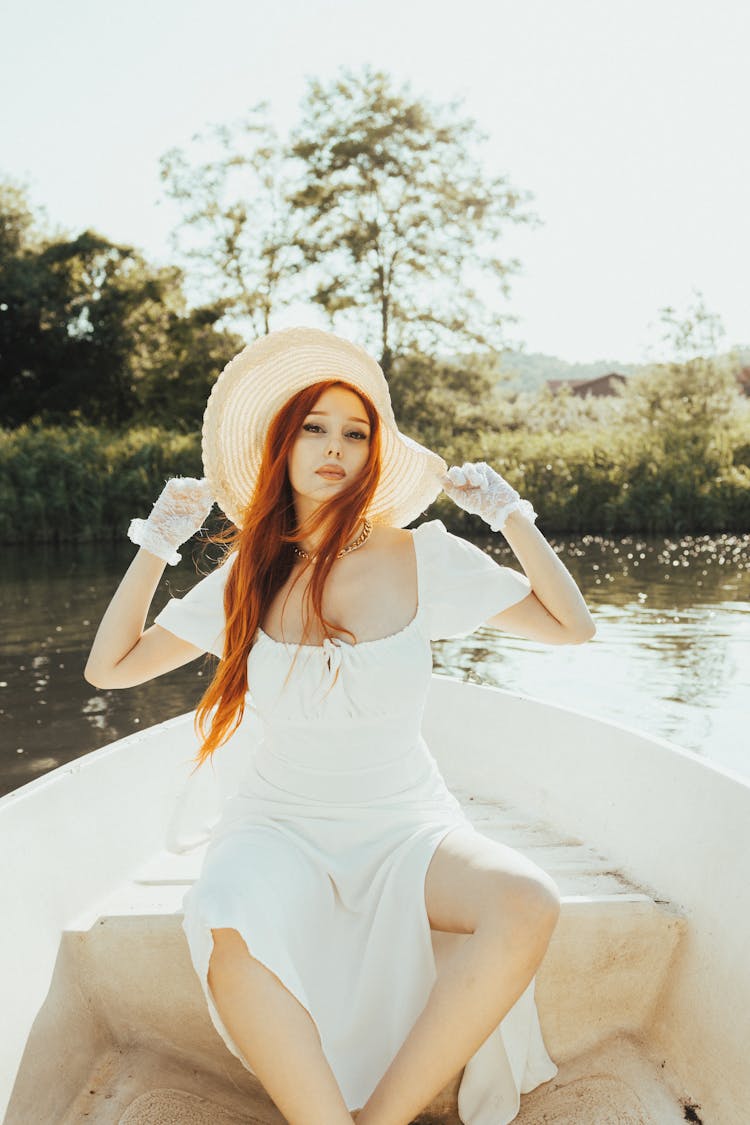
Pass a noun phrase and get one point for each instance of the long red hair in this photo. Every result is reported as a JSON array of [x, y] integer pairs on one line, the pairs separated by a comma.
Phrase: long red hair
[[265, 557]]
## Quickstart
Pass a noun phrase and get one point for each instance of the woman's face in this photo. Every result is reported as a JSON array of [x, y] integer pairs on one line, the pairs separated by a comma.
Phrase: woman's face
[[335, 433]]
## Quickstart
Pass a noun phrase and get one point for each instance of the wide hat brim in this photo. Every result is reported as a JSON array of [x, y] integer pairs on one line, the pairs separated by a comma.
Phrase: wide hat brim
[[257, 382]]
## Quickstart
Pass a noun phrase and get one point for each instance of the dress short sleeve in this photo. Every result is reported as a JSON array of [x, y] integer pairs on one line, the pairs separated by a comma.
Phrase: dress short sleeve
[[461, 587], [198, 617]]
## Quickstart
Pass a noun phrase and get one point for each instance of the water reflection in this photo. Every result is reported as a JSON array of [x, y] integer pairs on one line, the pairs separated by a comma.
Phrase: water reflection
[[671, 654], [672, 650]]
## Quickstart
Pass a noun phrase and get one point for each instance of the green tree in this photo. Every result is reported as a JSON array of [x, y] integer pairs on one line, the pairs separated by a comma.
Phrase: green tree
[[18, 224], [22, 298], [400, 220], [687, 414], [689, 404], [85, 306], [450, 407], [90, 331], [176, 368], [238, 235]]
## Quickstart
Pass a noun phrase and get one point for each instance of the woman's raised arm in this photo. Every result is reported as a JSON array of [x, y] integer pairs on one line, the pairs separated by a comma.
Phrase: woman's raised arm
[[554, 611], [122, 655]]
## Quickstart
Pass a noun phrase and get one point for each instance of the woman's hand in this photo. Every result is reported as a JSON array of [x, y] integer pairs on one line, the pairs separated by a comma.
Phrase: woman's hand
[[478, 489], [178, 513]]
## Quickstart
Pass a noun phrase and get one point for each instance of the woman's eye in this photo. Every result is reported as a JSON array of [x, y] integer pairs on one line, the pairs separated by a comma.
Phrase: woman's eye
[[313, 427]]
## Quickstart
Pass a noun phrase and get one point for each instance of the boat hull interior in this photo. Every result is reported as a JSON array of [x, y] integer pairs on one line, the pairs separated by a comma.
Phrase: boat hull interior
[[643, 996]]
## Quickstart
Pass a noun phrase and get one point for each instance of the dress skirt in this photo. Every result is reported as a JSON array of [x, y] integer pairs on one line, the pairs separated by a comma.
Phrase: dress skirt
[[329, 895], [320, 854]]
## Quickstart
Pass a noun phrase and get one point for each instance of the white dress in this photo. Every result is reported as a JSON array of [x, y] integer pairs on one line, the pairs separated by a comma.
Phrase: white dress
[[319, 859]]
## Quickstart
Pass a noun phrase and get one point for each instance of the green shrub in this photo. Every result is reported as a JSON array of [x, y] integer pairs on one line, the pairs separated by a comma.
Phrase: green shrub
[[614, 480], [79, 483]]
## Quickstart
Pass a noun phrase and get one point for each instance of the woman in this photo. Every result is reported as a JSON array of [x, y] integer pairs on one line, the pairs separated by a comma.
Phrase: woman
[[309, 925]]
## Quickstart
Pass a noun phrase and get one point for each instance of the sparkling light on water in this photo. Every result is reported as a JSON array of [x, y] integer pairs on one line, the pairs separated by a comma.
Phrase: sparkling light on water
[[671, 655]]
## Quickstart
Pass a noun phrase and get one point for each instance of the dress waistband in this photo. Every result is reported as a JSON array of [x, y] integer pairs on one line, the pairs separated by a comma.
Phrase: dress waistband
[[356, 765]]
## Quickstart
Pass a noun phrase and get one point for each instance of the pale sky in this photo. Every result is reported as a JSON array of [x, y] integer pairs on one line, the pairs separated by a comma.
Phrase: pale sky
[[627, 122]]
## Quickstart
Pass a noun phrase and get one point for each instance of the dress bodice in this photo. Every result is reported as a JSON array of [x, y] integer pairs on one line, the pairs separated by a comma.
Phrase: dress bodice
[[322, 705], [459, 587], [335, 681]]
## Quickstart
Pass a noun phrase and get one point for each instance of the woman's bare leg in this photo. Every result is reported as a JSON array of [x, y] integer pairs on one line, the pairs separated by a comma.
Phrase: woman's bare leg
[[509, 907], [275, 1034]]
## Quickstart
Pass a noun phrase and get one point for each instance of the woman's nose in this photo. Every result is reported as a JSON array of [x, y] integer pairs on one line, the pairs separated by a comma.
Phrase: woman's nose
[[334, 445]]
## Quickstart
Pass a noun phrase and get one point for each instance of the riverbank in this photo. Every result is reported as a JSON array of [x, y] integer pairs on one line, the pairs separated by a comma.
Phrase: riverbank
[[80, 484]]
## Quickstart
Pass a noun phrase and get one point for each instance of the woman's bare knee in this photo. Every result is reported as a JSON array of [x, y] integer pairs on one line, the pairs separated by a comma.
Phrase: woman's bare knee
[[524, 906]]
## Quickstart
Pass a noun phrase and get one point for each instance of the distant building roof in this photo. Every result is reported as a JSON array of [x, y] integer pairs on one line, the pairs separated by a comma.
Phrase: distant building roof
[[602, 385]]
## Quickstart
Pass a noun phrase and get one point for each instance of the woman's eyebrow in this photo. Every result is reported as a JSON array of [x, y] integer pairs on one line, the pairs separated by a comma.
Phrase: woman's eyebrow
[[325, 412]]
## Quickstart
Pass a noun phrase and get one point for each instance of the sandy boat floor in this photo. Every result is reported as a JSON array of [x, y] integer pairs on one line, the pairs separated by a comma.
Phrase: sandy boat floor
[[606, 1075], [614, 1085]]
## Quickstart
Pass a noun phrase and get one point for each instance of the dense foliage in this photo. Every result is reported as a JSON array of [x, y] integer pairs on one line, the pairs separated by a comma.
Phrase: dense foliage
[[82, 483], [90, 332], [377, 210]]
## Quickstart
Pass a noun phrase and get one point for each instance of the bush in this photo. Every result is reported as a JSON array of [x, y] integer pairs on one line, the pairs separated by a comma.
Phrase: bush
[[79, 483], [613, 481]]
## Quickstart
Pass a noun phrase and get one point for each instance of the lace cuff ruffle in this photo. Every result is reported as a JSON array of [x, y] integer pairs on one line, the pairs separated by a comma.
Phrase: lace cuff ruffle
[[143, 535], [525, 507], [178, 514]]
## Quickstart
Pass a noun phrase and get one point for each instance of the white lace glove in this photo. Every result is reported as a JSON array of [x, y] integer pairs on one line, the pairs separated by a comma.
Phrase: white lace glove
[[179, 512], [478, 489]]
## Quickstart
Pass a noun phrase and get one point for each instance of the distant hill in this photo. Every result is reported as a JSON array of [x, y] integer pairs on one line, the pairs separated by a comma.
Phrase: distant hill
[[528, 371]]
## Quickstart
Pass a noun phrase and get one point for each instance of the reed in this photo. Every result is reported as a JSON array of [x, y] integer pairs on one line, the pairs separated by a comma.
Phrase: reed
[[79, 483], [619, 480]]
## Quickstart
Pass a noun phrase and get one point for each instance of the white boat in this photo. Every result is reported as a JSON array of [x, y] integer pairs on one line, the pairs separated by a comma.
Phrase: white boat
[[643, 996]]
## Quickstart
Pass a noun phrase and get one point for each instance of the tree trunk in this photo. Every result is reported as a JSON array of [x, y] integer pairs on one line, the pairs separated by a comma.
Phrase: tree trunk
[[386, 358]]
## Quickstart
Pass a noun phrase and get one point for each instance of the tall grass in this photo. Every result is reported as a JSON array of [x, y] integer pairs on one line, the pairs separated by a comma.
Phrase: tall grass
[[618, 480], [79, 483]]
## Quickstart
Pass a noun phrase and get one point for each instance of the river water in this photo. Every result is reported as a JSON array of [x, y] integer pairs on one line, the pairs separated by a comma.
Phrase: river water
[[671, 655]]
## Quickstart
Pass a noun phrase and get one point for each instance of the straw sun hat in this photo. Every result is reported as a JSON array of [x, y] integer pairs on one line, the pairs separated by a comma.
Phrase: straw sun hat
[[262, 377]]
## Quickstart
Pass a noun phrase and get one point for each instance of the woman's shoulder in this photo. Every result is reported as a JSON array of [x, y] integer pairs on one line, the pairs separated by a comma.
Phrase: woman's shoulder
[[389, 545], [390, 541], [428, 529], [386, 535]]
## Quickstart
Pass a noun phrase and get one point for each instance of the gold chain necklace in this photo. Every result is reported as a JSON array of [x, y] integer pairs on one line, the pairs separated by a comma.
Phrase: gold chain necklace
[[363, 536]]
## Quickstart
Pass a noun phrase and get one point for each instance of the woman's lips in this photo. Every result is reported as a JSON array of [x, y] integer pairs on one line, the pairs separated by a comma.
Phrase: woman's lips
[[330, 474]]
